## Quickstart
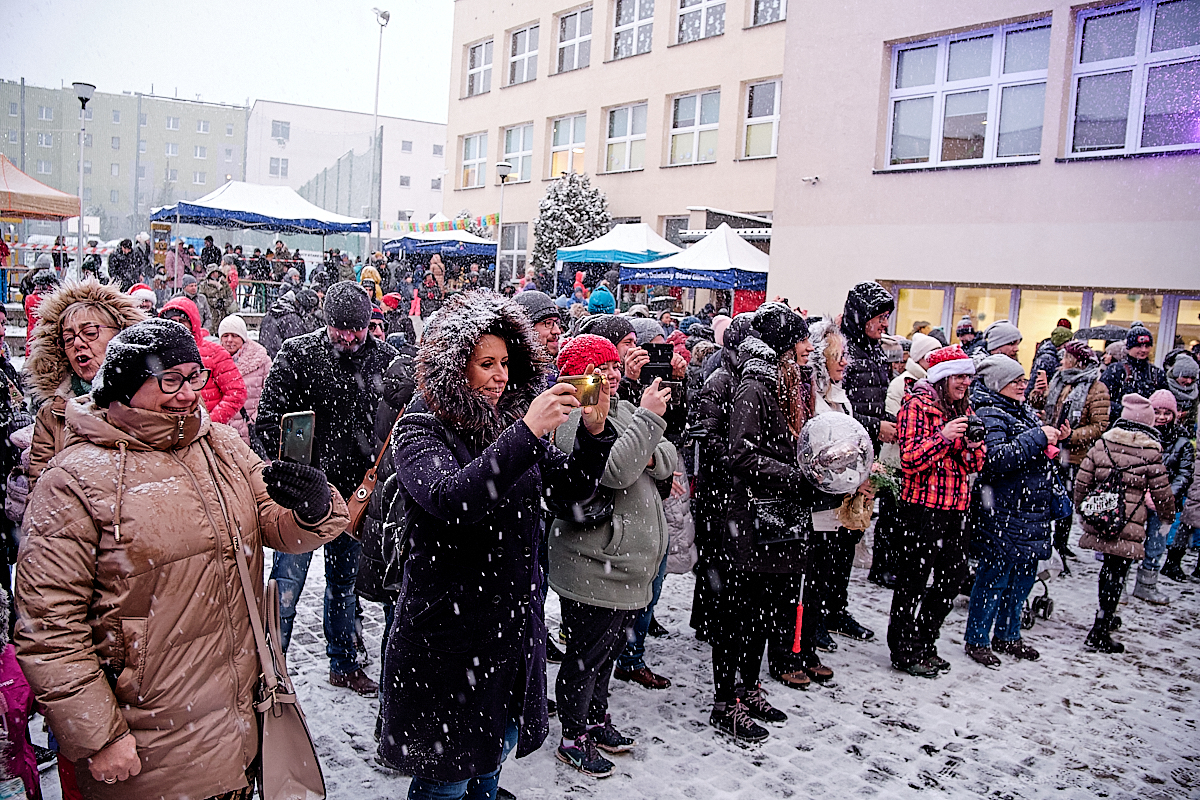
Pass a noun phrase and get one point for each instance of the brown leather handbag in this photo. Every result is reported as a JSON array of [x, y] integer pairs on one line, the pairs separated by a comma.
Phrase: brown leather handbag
[[287, 760], [356, 504]]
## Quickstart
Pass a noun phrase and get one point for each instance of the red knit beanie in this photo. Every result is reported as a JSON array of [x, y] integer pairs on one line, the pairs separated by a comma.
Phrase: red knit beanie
[[585, 349], [392, 300]]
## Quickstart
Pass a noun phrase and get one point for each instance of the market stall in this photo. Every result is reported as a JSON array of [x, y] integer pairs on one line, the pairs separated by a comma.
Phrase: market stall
[[22, 197]]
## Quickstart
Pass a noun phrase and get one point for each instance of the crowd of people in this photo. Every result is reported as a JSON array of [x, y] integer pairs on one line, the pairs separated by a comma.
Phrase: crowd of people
[[523, 443]]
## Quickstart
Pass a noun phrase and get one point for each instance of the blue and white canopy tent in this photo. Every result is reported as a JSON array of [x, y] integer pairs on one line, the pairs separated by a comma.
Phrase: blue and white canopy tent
[[721, 260], [247, 206], [443, 243], [632, 243]]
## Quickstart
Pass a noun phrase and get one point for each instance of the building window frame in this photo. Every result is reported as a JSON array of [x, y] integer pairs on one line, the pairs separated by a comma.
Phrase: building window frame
[[635, 35], [281, 130], [229, 129], [44, 167], [229, 155], [939, 97], [625, 138], [45, 139], [405, 182], [116, 116], [199, 178], [574, 48], [115, 170], [171, 150], [14, 109], [172, 123], [568, 144], [1141, 66], [474, 160], [202, 126], [771, 118], [277, 167], [435, 184], [406, 145], [765, 12], [46, 114], [699, 19], [479, 67], [87, 167], [116, 143], [518, 151], [199, 151], [704, 120], [523, 54], [141, 145], [514, 249], [439, 150], [114, 196], [172, 175]]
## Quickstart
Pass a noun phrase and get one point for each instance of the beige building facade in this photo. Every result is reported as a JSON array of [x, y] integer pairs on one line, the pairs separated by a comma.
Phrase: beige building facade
[[998, 159], [666, 104]]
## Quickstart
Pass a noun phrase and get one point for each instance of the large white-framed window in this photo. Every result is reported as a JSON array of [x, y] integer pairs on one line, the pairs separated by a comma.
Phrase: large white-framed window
[[43, 167], [172, 175], [479, 68], [694, 120], [1136, 78], [474, 160], [974, 97], [518, 151], [172, 123], [202, 126], [575, 40], [633, 27], [171, 150], [45, 113], [767, 11], [700, 19], [514, 247], [277, 167], [199, 178], [45, 139], [625, 145], [200, 151], [523, 54], [760, 134], [281, 129], [567, 144]]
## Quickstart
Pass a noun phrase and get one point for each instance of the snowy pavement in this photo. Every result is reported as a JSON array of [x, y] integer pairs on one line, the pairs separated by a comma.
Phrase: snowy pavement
[[1074, 724]]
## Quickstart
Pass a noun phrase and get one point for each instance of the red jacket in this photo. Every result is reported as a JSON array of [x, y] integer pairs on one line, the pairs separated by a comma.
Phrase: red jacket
[[32, 301], [935, 469], [225, 393]]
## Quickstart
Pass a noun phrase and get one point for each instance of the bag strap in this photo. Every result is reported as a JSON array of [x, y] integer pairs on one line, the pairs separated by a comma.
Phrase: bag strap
[[265, 659]]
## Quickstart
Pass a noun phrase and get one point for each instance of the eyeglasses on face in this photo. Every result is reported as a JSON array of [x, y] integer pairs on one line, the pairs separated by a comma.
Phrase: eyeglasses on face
[[172, 382], [88, 333], [376, 326]]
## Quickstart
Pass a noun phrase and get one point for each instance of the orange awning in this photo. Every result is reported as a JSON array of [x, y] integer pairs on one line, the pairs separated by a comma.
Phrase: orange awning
[[22, 196]]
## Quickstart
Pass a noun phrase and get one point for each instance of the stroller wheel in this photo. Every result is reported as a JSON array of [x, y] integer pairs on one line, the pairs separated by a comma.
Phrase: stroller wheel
[[1028, 618], [1048, 610]]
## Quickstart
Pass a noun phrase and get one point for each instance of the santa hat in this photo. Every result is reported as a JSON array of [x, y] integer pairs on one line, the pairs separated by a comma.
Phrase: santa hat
[[144, 293], [947, 361], [137, 286], [585, 349]]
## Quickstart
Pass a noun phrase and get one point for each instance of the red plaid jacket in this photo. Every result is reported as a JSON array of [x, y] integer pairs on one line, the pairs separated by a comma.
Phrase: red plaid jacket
[[934, 468]]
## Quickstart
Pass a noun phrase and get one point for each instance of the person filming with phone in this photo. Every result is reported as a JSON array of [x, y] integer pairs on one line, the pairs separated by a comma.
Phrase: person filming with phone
[[135, 635], [336, 372]]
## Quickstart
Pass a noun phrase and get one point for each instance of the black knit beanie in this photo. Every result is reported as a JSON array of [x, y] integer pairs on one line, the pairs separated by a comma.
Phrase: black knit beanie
[[609, 326], [347, 306], [779, 326], [138, 353]]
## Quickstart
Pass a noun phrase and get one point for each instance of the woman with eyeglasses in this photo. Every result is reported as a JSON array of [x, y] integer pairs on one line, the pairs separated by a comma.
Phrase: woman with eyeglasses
[[76, 323], [137, 638]]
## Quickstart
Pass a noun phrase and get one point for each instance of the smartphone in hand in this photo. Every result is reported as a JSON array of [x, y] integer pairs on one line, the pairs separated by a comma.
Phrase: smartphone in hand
[[296, 437]]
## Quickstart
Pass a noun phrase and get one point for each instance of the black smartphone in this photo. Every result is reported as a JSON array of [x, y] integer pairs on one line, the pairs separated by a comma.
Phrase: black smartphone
[[659, 365], [296, 437], [660, 353]]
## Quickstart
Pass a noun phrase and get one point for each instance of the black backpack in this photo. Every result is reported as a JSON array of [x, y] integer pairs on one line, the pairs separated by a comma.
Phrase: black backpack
[[1103, 507]]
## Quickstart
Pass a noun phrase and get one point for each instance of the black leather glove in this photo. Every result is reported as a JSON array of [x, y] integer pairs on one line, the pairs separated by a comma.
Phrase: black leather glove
[[299, 487]]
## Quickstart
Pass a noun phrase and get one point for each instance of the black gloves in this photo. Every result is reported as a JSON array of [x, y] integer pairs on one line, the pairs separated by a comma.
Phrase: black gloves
[[298, 487]]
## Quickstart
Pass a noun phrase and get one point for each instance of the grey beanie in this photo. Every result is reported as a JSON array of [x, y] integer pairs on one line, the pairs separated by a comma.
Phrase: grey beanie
[[1001, 333], [537, 305], [646, 329], [347, 306], [1185, 367], [998, 371]]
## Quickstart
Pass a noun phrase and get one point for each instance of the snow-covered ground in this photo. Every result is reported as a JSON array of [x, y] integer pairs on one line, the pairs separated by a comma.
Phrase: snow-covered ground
[[1074, 724]]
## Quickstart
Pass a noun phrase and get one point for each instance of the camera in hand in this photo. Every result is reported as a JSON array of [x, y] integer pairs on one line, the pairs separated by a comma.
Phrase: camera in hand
[[976, 430]]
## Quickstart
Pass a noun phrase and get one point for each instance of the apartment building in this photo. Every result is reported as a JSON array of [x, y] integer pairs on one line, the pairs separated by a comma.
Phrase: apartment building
[[326, 153], [997, 158], [667, 104], [139, 151]]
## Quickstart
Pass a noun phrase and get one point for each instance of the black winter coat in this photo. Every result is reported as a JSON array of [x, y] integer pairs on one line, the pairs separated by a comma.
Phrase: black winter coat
[[281, 322], [374, 581], [709, 416], [1131, 376], [1014, 500], [343, 389], [762, 464], [1046, 358], [1179, 457], [868, 373], [467, 651]]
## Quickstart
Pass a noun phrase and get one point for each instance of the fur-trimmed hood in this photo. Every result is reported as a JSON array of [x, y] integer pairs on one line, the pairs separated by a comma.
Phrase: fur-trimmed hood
[[449, 338], [48, 367]]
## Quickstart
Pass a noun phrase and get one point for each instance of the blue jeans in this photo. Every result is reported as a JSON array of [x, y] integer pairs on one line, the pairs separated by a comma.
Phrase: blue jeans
[[633, 657], [482, 787], [1001, 586], [341, 568], [1156, 540]]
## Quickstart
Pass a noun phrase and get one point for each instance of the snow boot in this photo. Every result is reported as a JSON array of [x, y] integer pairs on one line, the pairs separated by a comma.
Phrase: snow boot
[[1147, 587], [1100, 639], [1173, 569]]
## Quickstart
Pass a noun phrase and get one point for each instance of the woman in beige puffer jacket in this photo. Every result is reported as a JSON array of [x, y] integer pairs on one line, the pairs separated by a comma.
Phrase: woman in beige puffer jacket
[[136, 637], [1131, 448]]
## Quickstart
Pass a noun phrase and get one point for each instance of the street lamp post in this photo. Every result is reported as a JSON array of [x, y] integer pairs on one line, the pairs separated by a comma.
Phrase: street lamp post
[[84, 92], [382, 18], [503, 169]]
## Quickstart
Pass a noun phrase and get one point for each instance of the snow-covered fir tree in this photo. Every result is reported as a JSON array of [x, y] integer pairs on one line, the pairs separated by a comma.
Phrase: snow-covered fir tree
[[473, 226], [571, 213]]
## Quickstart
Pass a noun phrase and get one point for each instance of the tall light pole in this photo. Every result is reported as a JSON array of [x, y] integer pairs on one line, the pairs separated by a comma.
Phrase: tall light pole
[[503, 169], [382, 18], [84, 92]]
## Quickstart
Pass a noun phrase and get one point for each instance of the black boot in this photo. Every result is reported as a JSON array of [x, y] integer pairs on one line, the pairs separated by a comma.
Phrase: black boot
[[1173, 568], [1062, 546], [1100, 639]]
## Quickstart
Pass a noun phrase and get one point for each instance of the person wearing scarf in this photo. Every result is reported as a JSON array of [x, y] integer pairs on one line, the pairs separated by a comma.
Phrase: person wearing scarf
[[1077, 396]]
